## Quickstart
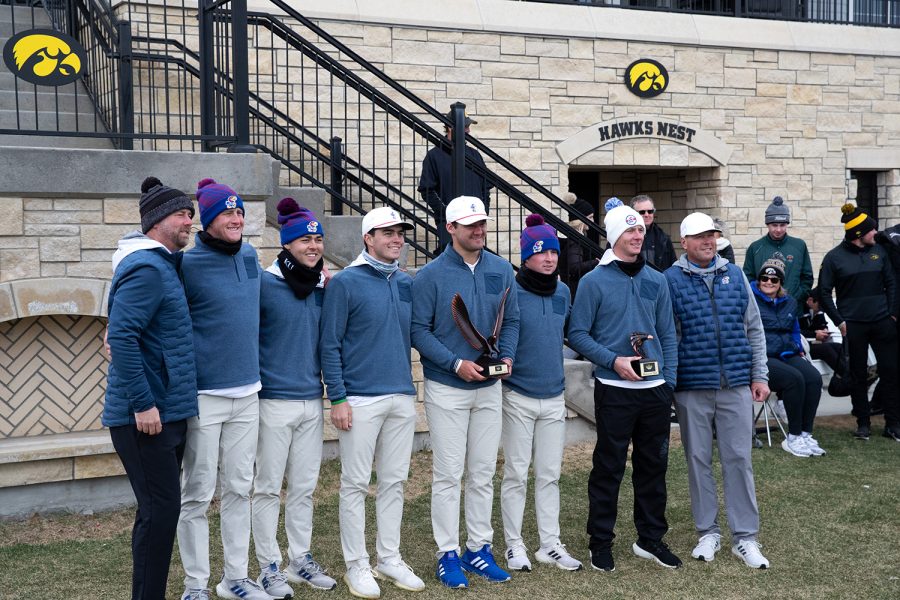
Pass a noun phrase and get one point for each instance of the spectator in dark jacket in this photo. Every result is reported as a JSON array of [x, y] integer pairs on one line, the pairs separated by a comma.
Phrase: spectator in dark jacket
[[778, 244], [814, 327], [576, 261], [790, 375], [657, 250], [723, 244], [866, 313], [436, 183]]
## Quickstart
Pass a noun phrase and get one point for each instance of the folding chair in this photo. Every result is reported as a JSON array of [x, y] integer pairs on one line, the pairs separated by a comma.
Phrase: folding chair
[[768, 411]]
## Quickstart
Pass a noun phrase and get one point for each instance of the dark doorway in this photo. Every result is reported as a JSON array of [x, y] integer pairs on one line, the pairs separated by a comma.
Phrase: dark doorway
[[866, 191]]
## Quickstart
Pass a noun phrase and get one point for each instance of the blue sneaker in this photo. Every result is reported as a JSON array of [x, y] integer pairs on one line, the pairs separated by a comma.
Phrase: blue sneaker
[[482, 563], [449, 572]]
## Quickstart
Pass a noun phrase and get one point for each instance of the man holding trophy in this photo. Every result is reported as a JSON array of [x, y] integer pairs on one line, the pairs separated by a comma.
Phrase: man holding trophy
[[622, 322], [465, 325]]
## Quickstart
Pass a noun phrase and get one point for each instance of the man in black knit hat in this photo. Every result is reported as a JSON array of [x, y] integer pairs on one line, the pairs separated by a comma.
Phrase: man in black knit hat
[[151, 387], [866, 313]]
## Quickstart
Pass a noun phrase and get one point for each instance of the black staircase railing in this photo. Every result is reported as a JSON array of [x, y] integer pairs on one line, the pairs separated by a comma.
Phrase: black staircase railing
[[308, 89]]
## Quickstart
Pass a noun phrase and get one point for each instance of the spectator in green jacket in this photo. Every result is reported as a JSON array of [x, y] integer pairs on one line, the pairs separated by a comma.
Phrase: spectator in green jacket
[[781, 246]]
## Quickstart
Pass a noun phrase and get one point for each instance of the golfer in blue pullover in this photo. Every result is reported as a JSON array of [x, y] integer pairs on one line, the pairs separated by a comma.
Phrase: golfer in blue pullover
[[221, 277], [151, 388], [462, 406], [290, 403], [534, 410], [365, 351], [621, 297]]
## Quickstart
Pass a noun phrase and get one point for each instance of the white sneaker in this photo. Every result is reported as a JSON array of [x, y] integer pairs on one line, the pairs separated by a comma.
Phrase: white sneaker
[[748, 551], [517, 558], [795, 445], [559, 556], [401, 575], [707, 546], [274, 582], [812, 444], [241, 589], [361, 582], [306, 570], [195, 594]]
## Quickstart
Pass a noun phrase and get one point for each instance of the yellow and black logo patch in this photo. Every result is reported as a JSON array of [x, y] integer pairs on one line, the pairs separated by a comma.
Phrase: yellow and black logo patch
[[44, 57], [646, 78]]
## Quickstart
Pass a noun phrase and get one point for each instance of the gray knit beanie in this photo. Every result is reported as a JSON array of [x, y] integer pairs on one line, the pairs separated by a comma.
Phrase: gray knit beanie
[[778, 212], [159, 201]]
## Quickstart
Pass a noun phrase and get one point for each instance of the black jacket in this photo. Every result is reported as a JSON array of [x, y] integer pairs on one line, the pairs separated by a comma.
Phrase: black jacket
[[864, 281], [657, 249]]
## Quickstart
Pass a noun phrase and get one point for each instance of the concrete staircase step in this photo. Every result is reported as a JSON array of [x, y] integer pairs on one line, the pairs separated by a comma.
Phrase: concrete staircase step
[[45, 100], [7, 29], [51, 121], [24, 16], [49, 141]]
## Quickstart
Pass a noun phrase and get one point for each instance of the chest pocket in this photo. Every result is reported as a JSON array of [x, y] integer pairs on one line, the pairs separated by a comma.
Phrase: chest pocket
[[559, 305], [649, 290], [404, 290], [251, 266], [493, 283]]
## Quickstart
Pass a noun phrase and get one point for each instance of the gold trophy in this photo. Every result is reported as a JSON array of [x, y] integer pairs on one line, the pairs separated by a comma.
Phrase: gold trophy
[[491, 365], [643, 367]]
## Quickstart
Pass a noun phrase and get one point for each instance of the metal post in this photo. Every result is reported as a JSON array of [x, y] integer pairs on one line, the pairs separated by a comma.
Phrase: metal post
[[241, 77], [337, 177], [458, 152], [126, 87], [71, 21], [207, 82]]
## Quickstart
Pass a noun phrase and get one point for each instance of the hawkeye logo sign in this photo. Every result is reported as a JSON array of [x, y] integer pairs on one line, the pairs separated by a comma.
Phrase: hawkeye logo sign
[[44, 57], [646, 78]]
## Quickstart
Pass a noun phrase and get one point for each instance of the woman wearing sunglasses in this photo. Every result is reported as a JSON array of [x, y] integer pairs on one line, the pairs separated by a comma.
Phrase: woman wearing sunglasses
[[791, 376]]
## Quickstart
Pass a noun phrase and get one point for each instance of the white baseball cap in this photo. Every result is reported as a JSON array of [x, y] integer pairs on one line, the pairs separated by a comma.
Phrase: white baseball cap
[[697, 223], [466, 210], [381, 217]]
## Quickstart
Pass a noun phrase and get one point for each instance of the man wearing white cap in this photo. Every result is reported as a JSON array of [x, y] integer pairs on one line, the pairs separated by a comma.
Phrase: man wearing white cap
[[365, 353], [721, 371], [463, 406]]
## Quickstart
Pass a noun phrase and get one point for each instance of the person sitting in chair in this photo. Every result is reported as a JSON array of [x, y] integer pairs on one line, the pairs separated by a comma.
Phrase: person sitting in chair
[[793, 377]]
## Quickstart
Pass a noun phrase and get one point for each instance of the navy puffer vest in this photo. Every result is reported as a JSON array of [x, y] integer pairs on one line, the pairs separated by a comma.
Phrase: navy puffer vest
[[714, 352], [778, 316]]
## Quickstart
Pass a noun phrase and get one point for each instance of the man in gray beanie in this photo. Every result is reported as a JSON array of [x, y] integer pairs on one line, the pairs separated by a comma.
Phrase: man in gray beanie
[[779, 245]]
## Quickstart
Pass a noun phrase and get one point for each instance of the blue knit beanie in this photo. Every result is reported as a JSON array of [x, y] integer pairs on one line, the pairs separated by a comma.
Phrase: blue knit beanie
[[537, 237], [296, 221], [213, 198]]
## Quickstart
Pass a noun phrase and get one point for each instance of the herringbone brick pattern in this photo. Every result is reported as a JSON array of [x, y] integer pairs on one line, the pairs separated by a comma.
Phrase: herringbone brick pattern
[[52, 375]]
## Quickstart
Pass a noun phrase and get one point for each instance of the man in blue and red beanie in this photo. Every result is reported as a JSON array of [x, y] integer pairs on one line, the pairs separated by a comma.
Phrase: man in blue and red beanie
[[221, 277], [290, 406], [534, 410]]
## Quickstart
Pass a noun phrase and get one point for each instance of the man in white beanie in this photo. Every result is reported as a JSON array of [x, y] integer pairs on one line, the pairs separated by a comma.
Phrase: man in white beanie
[[619, 305], [721, 371]]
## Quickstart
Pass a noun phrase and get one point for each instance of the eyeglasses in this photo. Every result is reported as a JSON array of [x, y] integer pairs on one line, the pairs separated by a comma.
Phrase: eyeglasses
[[766, 279], [649, 211]]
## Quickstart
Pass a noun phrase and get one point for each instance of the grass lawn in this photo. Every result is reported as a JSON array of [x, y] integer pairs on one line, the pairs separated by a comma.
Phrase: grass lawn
[[830, 527]]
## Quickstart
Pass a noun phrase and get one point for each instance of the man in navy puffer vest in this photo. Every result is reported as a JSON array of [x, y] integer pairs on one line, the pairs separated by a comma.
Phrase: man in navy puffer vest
[[721, 371], [152, 383]]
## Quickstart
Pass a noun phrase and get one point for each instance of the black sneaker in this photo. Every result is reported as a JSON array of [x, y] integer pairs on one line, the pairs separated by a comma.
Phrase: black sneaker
[[862, 432], [656, 551], [892, 433], [602, 560]]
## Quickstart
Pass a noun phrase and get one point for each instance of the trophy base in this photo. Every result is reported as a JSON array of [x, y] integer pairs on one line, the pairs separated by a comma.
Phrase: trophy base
[[492, 367], [645, 368]]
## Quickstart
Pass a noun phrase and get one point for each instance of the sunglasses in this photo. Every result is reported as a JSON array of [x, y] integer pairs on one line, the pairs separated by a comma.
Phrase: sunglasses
[[767, 279], [649, 211]]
